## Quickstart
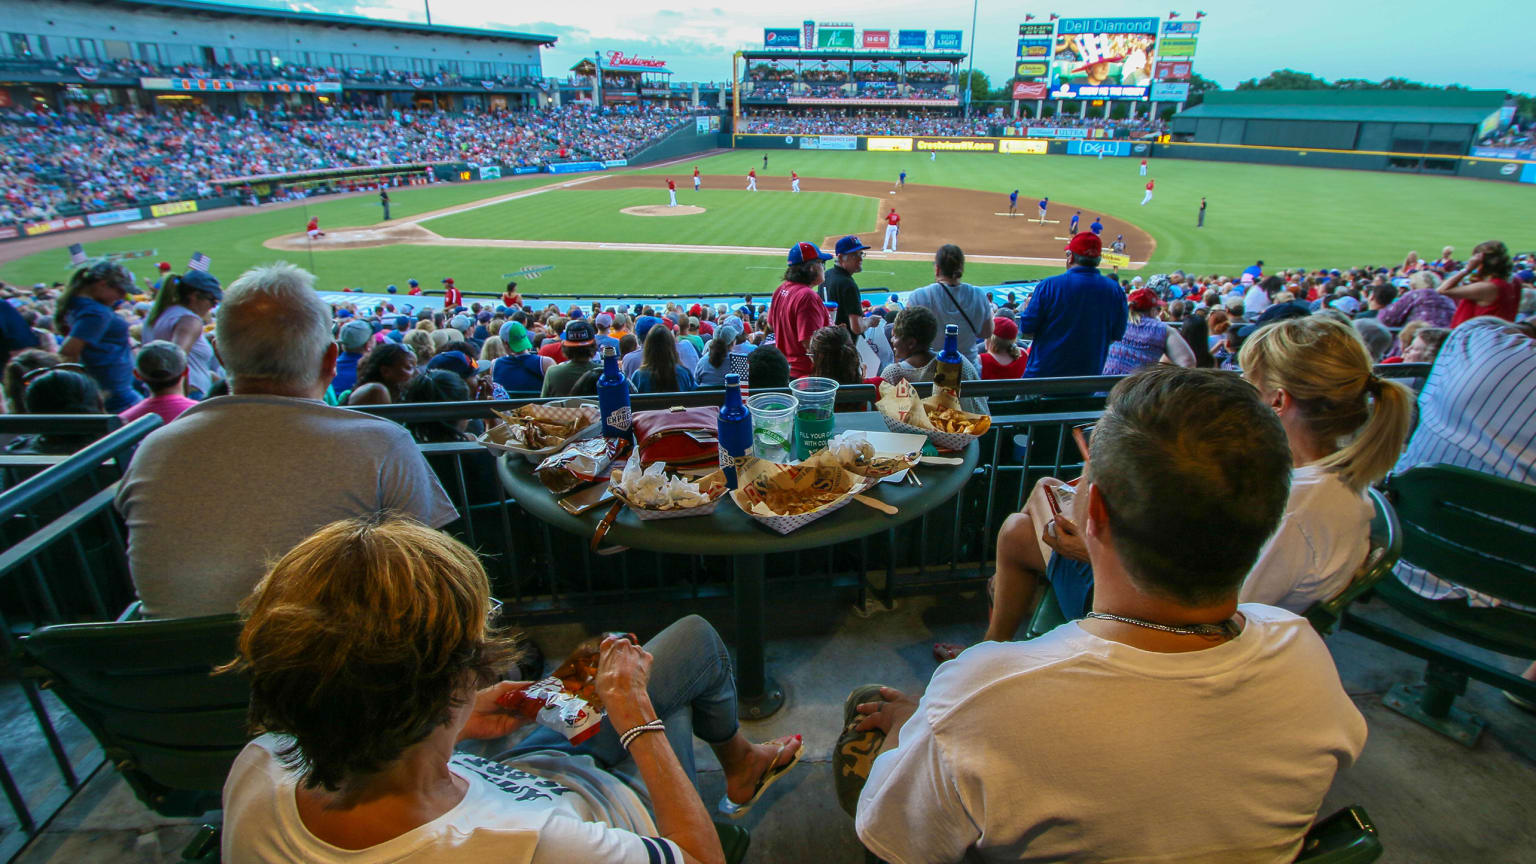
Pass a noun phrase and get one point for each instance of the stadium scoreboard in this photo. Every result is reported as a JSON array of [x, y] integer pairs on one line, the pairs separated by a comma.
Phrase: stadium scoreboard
[[1123, 59]]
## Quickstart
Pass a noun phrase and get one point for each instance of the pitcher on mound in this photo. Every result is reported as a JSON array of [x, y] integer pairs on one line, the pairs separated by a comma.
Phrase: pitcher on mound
[[892, 228]]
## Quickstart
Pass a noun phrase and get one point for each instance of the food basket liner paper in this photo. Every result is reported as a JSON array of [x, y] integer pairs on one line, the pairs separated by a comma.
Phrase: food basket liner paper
[[820, 474], [495, 438], [712, 485]]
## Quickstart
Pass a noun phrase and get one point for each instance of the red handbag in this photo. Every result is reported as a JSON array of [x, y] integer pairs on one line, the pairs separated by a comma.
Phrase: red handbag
[[681, 437]]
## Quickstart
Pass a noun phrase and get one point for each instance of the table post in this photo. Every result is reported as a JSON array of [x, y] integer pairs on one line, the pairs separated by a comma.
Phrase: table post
[[757, 695]]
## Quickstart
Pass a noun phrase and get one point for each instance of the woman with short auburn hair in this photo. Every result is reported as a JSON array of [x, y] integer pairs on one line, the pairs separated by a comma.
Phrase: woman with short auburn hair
[[371, 653]]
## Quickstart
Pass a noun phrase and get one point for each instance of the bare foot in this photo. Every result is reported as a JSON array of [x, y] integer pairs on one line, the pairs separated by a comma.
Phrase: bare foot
[[742, 778]]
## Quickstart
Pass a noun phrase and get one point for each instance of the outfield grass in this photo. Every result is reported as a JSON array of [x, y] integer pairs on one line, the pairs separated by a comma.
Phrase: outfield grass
[[732, 218], [1286, 216]]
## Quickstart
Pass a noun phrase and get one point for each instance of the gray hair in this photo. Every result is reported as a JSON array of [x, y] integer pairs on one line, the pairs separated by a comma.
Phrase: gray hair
[[273, 327], [1423, 279], [1377, 338], [1527, 301]]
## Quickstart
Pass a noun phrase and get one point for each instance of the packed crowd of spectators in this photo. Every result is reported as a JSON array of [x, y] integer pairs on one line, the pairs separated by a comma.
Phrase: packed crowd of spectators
[[1114, 128], [85, 158], [860, 122], [131, 68], [1276, 462]]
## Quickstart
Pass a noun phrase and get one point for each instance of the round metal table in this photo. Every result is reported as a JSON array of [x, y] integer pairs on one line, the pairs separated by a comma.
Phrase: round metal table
[[730, 533]]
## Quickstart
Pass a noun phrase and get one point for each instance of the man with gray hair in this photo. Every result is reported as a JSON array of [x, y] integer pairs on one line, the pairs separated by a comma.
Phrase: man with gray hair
[[238, 480]]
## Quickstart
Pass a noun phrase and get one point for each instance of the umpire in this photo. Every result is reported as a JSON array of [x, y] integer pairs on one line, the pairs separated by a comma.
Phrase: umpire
[[384, 200]]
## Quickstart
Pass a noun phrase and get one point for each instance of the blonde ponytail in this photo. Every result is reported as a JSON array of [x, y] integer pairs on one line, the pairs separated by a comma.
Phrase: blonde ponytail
[[1322, 363]]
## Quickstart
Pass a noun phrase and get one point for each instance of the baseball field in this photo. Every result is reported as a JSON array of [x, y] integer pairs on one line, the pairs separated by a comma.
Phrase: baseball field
[[611, 232]]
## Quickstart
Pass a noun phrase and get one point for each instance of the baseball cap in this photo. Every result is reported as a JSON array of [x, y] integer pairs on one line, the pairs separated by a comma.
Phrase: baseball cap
[[163, 266], [354, 335], [604, 320], [1247, 279], [412, 282], [462, 323], [343, 313], [392, 289], [1087, 243], [643, 325], [1346, 304], [578, 332], [201, 280], [455, 362], [806, 251], [1144, 299], [734, 323], [695, 310], [160, 362], [1135, 280], [448, 281], [729, 333], [402, 322], [849, 244], [483, 317], [1005, 329], [516, 337], [865, 304]]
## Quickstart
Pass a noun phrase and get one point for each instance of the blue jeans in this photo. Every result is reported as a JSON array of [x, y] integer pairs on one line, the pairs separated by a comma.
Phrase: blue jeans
[[692, 689], [1073, 583]]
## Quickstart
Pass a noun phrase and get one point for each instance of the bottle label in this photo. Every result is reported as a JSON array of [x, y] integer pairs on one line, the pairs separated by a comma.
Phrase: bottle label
[[620, 418]]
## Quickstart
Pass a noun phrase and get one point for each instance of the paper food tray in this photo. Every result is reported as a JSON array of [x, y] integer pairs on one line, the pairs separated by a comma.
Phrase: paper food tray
[[712, 485], [941, 440], [818, 473], [562, 411]]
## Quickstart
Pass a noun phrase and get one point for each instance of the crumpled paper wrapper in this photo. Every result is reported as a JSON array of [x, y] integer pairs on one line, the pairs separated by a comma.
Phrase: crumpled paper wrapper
[[903, 411], [584, 414], [653, 494], [857, 455], [787, 497]]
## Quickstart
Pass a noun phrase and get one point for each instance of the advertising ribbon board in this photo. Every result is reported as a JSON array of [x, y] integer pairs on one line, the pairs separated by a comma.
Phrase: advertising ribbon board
[[834, 100], [1027, 146], [1173, 70], [877, 38], [955, 145], [1034, 48], [1103, 58], [1030, 89], [912, 39], [781, 37], [114, 217], [889, 145], [1169, 92], [834, 36], [946, 40], [1181, 28], [173, 208], [1032, 69], [839, 142], [1178, 47], [1111, 259]]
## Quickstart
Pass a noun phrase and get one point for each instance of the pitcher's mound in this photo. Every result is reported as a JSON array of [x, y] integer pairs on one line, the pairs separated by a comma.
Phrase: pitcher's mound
[[663, 210]]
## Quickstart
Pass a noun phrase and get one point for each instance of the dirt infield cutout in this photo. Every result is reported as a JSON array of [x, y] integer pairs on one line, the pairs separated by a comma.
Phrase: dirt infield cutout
[[663, 210]]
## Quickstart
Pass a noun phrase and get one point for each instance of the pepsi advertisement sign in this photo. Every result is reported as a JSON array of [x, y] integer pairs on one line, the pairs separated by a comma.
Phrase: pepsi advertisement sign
[[781, 37]]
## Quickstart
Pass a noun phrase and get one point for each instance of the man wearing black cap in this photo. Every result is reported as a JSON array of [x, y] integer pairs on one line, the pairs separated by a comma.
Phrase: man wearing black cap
[[840, 288], [1074, 317]]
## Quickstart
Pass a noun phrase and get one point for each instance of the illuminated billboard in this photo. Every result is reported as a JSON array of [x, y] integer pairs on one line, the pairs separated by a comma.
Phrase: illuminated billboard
[[1103, 58]]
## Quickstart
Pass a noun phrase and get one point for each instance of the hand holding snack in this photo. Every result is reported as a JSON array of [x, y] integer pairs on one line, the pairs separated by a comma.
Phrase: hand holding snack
[[567, 701], [623, 672], [490, 719]]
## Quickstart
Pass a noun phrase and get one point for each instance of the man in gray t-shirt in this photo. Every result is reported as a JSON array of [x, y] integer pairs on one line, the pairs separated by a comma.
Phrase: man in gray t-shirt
[[211, 500]]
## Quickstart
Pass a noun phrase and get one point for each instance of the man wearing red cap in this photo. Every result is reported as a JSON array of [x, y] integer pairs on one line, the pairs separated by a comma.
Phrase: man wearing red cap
[[1148, 196], [796, 310], [671, 192], [452, 299], [1073, 318], [313, 228], [752, 180]]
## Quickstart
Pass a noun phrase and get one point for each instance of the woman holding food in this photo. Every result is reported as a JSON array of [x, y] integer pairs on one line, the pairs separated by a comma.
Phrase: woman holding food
[[357, 751], [912, 336]]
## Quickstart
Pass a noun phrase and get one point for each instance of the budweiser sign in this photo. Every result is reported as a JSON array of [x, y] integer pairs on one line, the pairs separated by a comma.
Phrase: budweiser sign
[[619, 58]]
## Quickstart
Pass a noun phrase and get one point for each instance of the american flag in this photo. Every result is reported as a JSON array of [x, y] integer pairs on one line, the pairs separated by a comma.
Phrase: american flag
[[199, 261], [76, 255]]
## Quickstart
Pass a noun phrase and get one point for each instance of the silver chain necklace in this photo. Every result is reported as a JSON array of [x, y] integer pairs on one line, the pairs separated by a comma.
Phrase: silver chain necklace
[[1225, 630]]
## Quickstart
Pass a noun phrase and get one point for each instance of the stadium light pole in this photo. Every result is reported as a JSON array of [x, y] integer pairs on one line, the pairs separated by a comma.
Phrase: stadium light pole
[[970, 77], [428, 4]]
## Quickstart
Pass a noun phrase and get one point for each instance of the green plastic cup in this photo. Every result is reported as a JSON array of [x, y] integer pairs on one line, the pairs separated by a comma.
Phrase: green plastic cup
[[813, 416]]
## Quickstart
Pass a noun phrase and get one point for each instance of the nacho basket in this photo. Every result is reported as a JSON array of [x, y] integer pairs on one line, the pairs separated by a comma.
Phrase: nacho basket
[[564, 411]]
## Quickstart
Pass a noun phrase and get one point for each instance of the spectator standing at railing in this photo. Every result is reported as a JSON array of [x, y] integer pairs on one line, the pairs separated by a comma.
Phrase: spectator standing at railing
[[1074, 317], [95, 335], [1146, 339], [953, 301], [181, 309], [274, 334], [796, 311]]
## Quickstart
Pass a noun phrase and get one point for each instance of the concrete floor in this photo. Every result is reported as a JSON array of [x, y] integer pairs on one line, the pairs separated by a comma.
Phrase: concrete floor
[[1433, 800]]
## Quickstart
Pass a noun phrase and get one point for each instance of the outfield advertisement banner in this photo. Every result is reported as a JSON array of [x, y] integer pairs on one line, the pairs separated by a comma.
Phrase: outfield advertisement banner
[[490, 172], [832, 100], [173, 208], [955, 145], [834, 36], [888, 145], [1030, 89], [574, 167], [1181, 47], [1026, 146], [912, 39], [526, 169], [1055, 132], [829, 142], [53, 226], [1181, 28], [615, 163], [781, 37], [946, 40], [114, 217], [877, 39], [1103, 58], [1032, 69], [7, 232], [1034, 48], [1173, 70], [1098, 148], [1162, 92]]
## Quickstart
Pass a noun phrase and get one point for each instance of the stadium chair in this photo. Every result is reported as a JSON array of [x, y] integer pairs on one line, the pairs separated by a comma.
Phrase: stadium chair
[[1047, 615], [1346, 837], [1475, 530], [1386, 547], [144, 690]]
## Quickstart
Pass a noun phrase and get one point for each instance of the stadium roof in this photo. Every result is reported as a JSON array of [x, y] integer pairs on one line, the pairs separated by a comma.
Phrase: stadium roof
[[234, 11], [1353, 106]]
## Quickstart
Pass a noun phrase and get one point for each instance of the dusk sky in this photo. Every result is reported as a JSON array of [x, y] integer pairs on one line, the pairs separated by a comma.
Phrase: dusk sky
[[1463, 43]]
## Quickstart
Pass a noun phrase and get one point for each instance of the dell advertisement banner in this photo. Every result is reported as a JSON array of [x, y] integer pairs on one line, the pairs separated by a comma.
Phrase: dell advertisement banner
[[781, 37], [912, 39], [946, 40]]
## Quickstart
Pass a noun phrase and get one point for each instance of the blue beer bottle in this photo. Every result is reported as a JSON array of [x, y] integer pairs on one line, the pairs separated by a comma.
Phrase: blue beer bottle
[[735, 430], [613, 397]]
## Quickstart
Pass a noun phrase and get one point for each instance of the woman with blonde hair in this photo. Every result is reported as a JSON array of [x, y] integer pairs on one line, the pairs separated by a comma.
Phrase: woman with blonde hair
[[492, 349], [371, 651], [1346, 428], [1146, 340], [419, 341]]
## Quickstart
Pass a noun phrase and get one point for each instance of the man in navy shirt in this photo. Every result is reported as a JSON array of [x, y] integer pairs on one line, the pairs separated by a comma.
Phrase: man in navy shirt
[[1074, 317], [1097, 227]]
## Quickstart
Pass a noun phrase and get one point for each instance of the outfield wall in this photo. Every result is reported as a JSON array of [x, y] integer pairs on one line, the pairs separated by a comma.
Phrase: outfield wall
[[1507, 170]]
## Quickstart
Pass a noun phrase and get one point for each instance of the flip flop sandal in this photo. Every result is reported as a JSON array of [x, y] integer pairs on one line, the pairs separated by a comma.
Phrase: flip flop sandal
[[730, 808], [943, 652]]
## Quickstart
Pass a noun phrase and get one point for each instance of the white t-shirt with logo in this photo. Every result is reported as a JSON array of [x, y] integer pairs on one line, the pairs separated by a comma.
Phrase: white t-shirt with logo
[[568, 811], [1070, 747], [1322, 540]]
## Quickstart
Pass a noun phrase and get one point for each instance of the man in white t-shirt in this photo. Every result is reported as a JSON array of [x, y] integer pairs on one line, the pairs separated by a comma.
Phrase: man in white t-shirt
[[1171, 724]]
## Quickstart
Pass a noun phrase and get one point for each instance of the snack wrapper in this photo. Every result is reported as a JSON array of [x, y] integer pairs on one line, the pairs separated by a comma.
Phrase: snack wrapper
[[939, 416], [536, 431], [653, 494], [566, 701], [786, 497], [857, 455], [583, 462]]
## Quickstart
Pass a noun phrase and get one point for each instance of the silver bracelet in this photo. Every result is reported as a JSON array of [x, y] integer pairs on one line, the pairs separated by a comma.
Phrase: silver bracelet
[[627, 738]]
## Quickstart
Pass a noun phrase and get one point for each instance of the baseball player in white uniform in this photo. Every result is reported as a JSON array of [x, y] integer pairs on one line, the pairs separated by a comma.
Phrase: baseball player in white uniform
[[695, 178], [794, 182], [892, 228], [752, 180], [671, 192]]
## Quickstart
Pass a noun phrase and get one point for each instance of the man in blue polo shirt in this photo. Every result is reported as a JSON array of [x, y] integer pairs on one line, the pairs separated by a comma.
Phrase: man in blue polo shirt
[[1074, 317]]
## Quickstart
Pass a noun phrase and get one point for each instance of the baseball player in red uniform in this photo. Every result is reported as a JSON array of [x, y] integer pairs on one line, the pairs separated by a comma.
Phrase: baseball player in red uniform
[[892, 223], [313, 228], [752, 180], [672, 192], [1148, 196], [1143, 167], [695, 178], [452, 299], [794, 182]]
